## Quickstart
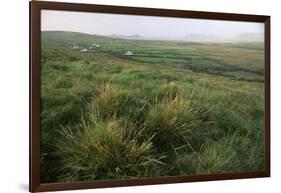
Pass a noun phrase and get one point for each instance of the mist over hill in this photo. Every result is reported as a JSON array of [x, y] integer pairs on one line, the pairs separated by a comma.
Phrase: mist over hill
[[247, 37], [202, 38], [243, 37]]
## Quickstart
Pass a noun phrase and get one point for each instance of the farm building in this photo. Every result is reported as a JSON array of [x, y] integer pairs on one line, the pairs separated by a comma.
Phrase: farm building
[[96, 45], [84, 50], [129, 53], [75, 47]]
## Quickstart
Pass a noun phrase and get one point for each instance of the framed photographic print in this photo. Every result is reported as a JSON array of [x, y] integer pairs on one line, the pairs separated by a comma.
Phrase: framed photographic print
[[123, 96]]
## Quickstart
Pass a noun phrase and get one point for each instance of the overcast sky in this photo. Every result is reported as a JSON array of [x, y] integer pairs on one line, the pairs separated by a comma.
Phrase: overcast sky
[[147, 26]]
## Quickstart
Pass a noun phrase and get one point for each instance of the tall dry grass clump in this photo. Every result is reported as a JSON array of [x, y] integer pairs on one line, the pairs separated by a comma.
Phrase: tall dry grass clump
[[105, 150], [173, 121], [171, 89], [105, 103], [113, 102], [218, 157]]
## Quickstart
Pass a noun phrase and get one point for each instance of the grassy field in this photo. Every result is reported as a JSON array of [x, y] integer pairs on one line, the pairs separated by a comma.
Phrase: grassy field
[[171, 108]]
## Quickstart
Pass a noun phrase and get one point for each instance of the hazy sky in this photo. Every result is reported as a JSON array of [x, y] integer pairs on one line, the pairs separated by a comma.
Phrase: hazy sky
[[148, 26]]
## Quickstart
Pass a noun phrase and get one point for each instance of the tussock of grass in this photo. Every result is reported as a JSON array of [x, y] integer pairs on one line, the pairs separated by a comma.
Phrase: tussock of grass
[[104, 104], [114, 102], [185, 164], [105, 150], [173, 121], [212, 158], [171, 89], [218, 157]]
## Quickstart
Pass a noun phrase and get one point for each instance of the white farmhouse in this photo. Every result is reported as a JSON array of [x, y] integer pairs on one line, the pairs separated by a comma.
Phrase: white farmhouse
[[129, 53], [96, 45], [75, 47], [84, 50]]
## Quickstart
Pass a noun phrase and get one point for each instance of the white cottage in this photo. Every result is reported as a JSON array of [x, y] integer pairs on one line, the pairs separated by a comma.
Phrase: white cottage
[[129, 53], [84, 50], [96, 45], [75, 47]]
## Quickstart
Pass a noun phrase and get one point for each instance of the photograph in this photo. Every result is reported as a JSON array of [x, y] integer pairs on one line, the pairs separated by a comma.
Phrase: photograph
[[128, 96]]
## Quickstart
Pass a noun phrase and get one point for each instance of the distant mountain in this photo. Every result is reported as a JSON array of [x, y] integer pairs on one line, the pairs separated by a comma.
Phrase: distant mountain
[[247, 37], [191, 38], [73, 37], [243, 37], [135, 36], [201, 38]]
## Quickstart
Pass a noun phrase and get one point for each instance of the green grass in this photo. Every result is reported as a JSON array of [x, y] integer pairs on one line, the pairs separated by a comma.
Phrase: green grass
[[171, 109], [105, 150]]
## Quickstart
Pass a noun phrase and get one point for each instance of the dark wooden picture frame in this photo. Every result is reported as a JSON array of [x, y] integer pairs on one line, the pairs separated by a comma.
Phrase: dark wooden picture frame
[[35, 87]]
